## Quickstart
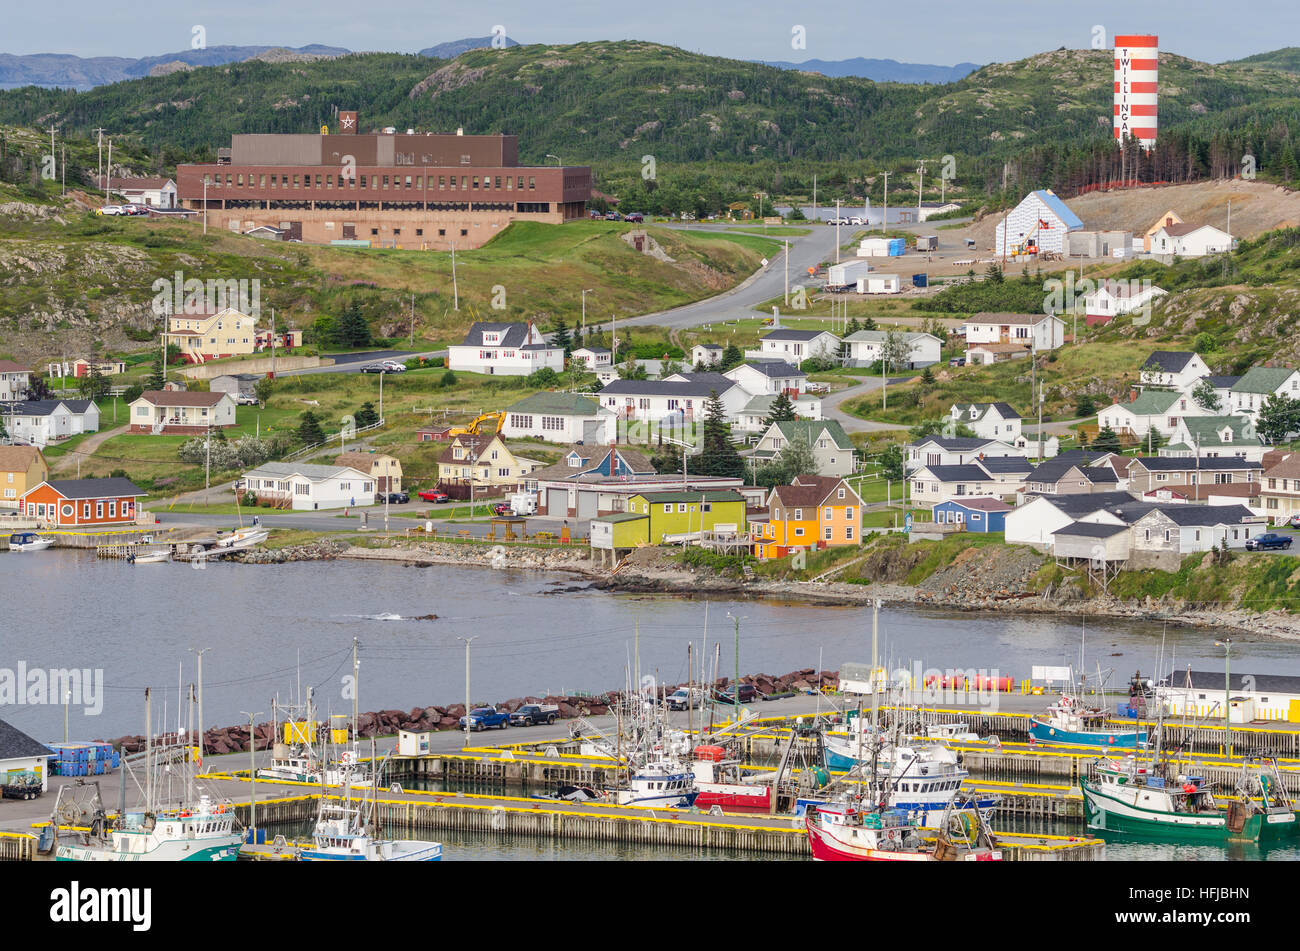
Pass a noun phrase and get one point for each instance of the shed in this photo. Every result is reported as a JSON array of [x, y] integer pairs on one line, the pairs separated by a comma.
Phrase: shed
[[22, 757], [973, 514]]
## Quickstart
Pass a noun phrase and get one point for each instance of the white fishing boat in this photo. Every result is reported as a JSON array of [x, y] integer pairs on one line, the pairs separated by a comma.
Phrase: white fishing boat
[[29, 541], [242, 538], [660, 781], [346, 831], [301, 751], [153, 557]]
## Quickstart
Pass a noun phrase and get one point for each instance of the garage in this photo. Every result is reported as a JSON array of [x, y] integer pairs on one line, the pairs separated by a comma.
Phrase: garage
[[588, 504], [557, 502]]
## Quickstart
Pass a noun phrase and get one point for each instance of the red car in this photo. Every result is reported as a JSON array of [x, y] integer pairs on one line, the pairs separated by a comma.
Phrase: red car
[[502, 508], [429, 495]]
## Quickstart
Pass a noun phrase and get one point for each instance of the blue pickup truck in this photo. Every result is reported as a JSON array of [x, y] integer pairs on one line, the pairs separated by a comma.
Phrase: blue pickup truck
[[481, 718]]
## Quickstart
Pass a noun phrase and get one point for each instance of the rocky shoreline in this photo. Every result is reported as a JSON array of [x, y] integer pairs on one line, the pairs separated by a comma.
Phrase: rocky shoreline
[[235, 739], [964, 585]]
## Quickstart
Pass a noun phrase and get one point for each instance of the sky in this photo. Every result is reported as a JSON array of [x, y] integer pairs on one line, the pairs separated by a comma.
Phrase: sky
[[978, 31]]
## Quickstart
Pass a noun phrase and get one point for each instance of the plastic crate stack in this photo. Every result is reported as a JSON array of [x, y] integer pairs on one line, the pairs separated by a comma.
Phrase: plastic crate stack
[[83, 759]]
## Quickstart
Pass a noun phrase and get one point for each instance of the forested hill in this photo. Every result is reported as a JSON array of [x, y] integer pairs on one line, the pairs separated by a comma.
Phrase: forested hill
[[616, 101]]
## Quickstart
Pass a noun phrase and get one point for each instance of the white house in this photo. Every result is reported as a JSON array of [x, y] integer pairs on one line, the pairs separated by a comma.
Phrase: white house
[[15, 380], [1161, 409], [1037, 331], [560, 417], [22, 757], [867, 346], [41, 422], [179, 411], [672, 401], [593, 358], [1191, 241], [1173, 531], [1038, 224], [931, 485], [956, 451], [504, 349], [1113, 298], [768, 377], [153, 192], [750, 419], [1212, 437], [1176, 369], [703, 354], [879, 284], [988, 420], [309, 487], [1249, 393], [1036, 521], [792, 346]]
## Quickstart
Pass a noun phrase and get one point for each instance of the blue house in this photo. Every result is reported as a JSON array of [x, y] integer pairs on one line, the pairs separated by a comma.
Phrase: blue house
[[974, 514]]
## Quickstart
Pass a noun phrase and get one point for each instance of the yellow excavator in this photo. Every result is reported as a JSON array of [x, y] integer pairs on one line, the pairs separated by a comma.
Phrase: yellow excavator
[[476, 425]]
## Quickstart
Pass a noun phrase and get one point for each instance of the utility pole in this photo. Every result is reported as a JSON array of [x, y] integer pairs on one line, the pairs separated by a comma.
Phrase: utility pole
[[837, 231], [735, 693], [787, 273], [207, 465], [252, 771], [412, 321], [585, 292], [200, 653], [205, 204], [1226, 644], [814, 197], [99, 162], [920, 189], [467, 641], [455, 292], [63, 167]]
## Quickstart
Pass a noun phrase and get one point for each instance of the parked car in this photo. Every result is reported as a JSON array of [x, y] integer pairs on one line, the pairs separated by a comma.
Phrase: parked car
[[856, 220], [838, 221], [135, 210], [246, 399], [748, 692], [392, 498], [531, 714], [482, 718], [113, 210], [593, 213], [502, 508], [394, 366], [613, 216], [685, 698], [433, 495], [1268, 540], [634, 216], [957, 362], [1293, 521], [374, 368]]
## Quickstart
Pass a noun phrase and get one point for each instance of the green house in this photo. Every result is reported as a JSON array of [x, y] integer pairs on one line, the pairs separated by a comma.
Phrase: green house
[[677, 515]]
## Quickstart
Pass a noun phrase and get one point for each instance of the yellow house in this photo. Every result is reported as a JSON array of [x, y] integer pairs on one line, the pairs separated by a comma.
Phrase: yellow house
[[21, 468], [203, 337], [482, 460], [386, 470], [812, 512]]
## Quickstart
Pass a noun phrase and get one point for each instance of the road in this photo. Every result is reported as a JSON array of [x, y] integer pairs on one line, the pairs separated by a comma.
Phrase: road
[[353, 362], [374, 519]]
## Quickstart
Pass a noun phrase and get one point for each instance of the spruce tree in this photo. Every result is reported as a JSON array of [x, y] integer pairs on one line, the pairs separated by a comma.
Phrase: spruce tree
[[366, 416], [718, 457], [353, 331], [1107, 440], [309, 431], [156, 378], [731, 357], [781, 411], [561, 337]]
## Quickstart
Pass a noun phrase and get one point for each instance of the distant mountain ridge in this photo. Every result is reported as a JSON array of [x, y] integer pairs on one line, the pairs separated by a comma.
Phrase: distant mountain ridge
[[65, 71], [881, 70]]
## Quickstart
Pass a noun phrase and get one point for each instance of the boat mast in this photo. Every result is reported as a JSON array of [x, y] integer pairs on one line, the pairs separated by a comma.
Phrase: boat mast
[[148, 751]]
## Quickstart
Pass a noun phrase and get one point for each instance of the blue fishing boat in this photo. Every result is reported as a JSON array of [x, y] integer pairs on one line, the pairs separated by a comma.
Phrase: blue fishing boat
[[1071, 722]]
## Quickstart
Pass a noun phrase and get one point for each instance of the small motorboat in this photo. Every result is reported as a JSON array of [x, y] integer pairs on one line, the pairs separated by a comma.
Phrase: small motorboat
[[243, 538], [29, 541], [151, 557]]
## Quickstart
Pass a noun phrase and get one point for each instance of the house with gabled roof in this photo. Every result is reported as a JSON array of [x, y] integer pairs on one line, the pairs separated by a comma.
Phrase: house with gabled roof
[[41, 422], [978, 514], [933, 484], [562, 418], [15, 380], [309, 487], [812, 512], [1167, 220], [1175, 369], [1037, 332], [750, 418], [988, 420], [21, 467], [1163, 536], [674, 401], [593, 358], [1147, 473], [758, 377], [955, 450], [180, 411], [81, 502], [830, 444], [1259, 383], [1036, 520], [1213, 436], [866, 347], [483, 462], [504, 349], [1280, 494], [1114, 298], [704, 354], [386, 470], [1160, 410], [212, 334], [794, 346], [22, 756], [1191, 240], [1070, 475]]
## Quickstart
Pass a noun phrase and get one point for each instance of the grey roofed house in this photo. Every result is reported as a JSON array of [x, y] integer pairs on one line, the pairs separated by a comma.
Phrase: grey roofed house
[[1223, 382], [794, 334], [718, 381], [964, 473], [1206, 464], [1053, 470], [771, 368], [982, 410], [512, 334], [955, 443], [15, 744], [1083, 503], [558, 404], [115, 487], [307, 470], [42, 407], [1091, 529], [1005, 464], [1204, 515], [1169, 361], [595, 349]]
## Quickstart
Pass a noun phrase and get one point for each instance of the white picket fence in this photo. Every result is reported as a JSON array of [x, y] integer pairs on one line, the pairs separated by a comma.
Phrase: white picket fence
[[308, 450]]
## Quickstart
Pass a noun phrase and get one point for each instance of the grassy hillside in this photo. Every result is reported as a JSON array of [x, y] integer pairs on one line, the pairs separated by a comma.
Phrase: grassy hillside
[[71, 282]]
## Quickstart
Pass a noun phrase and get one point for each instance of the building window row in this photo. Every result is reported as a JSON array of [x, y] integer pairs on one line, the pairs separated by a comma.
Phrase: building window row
[[373, 182]]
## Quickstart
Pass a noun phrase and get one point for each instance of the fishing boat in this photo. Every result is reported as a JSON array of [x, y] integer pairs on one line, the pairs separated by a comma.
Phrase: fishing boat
[[29, 541], [661, 780], [347, 832], [846, 831], [1072, 721], [153, 557], [296, 759], [1147, 798], [242, 538], [720, 783]]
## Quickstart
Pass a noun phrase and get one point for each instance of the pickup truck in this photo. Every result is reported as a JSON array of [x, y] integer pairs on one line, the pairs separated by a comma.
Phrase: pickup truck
[[481, 718], [431, 495], [1268, 540], [686, 699], [530, 714]]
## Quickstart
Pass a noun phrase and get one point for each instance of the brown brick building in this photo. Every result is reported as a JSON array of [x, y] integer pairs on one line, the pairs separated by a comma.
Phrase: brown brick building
[[416, 191]]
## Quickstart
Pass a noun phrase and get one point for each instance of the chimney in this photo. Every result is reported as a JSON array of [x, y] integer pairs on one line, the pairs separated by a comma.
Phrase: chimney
[[1132, 395]]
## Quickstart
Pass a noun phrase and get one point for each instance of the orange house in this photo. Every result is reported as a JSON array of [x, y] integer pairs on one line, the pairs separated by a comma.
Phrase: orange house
[[81, 502], [812, 512]]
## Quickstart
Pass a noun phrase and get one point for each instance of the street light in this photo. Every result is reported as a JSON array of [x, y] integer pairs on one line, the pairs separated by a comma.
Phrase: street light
[[736, 684], [467, 643], [1226, 644], [556, 157]]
